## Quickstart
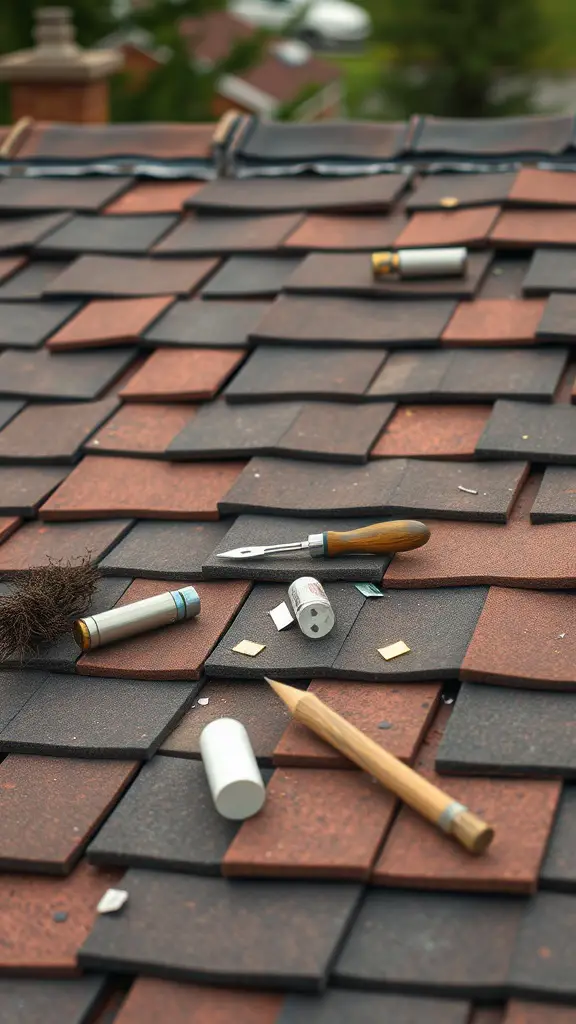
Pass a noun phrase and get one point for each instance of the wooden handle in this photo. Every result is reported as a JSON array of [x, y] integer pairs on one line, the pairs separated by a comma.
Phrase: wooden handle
[[416, 791], [402, 535]]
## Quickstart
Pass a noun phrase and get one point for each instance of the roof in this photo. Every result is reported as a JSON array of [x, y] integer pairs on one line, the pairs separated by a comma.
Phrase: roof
[[213, 36], [285, 80], [192, 362]]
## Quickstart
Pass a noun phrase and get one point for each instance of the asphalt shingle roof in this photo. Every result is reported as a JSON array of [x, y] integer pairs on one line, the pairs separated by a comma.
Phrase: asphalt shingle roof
[[176, 383]]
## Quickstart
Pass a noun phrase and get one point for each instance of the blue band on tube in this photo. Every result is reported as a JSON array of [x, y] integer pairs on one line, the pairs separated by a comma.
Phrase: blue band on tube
[[192, 600], [180, 604]]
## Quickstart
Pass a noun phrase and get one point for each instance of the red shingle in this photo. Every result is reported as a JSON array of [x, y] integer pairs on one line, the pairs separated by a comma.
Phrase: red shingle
[[525, 229], [432, 431], [44, 921], [395, 717], [176, 652], [152, 1000], [51, 806], [465, 554], [9, 265], [35, 543], [467, 226], [155, 197], [182, 375], [543, 188], [495, 322], [101, 488], [314, 824], [418, 856], [524, 638], [8, 524], [108, 322], [145, 428]]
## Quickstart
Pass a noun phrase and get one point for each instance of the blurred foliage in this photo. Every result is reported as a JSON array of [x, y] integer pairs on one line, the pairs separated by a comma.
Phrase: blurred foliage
[[558, 47], [175, 90], [446, 56], [287, 110], [363, 80], [431, 56], [93, 20]]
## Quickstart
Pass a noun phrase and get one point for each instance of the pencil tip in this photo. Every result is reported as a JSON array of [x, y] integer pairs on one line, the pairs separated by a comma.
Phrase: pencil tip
[[289, 694]]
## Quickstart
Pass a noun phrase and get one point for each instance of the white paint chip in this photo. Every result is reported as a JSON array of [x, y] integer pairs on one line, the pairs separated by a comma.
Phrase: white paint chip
[[111, 901], [204, 701], [394, 650], [281, 616], [248, 647]]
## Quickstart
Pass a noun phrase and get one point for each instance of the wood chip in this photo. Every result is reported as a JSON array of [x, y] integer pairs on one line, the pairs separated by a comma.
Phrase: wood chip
[[394, 650], [249, 647]]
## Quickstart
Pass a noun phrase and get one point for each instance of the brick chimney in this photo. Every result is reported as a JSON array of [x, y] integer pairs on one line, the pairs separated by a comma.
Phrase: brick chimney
[[57, 80]]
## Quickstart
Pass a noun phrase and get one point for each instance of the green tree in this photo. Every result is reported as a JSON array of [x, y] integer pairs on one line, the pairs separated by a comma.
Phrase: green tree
[[93, 19], [448, 55], [176, 90]]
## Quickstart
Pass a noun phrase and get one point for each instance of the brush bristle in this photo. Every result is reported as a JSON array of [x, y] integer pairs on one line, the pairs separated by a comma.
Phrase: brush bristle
[[42, 605]]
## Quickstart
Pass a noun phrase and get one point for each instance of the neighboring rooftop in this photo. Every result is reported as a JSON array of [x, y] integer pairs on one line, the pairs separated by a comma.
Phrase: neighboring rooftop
[[195, 356], [286, 72]]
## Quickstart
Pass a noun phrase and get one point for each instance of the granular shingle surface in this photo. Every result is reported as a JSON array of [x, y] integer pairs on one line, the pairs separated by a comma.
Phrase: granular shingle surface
[[145, 489], [196, 356]]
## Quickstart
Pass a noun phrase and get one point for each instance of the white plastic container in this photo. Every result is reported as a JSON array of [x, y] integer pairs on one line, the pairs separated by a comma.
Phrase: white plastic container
[[450, 262], [312, 609], [234, 778], [432, 262], [130, 619]]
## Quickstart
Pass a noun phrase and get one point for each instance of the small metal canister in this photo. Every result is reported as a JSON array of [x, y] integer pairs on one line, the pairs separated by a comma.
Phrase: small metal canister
[[138, 617], [312, 609], [420, 262]]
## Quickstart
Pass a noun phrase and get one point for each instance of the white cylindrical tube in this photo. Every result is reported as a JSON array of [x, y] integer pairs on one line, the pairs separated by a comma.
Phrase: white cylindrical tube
[[234, 778], [432, 262], [421, 262], [139, 617], [312, 609]]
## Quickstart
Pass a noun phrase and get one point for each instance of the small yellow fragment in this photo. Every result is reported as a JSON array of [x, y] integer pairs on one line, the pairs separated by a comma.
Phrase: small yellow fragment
[[525, 437], [448, 201], [394, 650], [249, 647]]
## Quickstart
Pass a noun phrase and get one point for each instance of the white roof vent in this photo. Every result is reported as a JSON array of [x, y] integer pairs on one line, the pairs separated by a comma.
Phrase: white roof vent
[[293, 52]]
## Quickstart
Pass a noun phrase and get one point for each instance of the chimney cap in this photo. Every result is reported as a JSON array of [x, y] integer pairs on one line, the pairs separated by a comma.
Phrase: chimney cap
[[57, 57]]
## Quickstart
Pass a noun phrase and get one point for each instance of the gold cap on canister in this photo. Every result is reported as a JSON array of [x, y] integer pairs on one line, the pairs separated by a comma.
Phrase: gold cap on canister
[[384, 263], [82, 635]]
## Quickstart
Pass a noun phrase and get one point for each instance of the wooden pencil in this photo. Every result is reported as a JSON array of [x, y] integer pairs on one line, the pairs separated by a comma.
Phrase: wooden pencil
[[432, 803]]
